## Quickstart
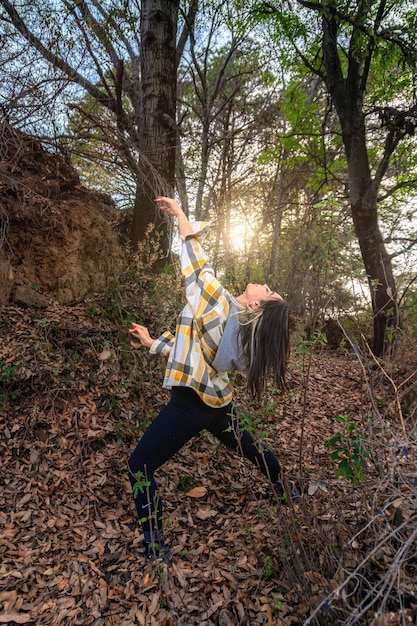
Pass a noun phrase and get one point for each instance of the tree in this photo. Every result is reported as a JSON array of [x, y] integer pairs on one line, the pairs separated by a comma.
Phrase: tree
[[351, 46], [304, 166], [226, 93], [127, 70]]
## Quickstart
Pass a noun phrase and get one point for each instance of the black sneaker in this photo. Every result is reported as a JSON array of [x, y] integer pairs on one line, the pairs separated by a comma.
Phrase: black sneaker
[[282, 492], [156, 551]]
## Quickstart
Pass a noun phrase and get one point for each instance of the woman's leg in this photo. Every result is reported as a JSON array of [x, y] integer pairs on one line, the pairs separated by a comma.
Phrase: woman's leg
[[181, 419], [225, 426]]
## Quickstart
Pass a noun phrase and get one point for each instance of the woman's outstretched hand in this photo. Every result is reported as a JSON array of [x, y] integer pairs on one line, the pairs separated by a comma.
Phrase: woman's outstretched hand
[[141, 333], [171, 206]]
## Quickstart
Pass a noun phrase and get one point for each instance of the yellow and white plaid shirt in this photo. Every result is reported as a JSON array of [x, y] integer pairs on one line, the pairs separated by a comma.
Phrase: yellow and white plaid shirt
[[199, 328]]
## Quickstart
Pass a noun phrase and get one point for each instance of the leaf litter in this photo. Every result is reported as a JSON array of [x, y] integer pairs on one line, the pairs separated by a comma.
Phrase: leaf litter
[[74, 401]]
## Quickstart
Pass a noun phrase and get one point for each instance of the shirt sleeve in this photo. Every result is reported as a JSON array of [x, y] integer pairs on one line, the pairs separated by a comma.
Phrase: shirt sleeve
[[202, 289], [163, 344]]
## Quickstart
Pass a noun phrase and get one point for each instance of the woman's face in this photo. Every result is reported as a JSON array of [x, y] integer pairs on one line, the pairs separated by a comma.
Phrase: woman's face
[[257, 293]]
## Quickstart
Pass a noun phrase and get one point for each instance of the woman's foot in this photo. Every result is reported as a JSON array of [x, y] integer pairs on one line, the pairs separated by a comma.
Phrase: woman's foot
[[289, 489], [156, 551]]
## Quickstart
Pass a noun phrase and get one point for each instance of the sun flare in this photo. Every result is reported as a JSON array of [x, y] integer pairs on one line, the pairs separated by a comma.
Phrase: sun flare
[[241, 235]]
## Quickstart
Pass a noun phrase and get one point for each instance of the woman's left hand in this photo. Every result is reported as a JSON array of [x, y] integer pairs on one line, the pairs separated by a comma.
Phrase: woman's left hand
[[141, 333]]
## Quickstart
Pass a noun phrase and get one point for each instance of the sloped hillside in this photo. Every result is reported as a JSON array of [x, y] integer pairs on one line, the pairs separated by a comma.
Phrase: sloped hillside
[[74, 400]]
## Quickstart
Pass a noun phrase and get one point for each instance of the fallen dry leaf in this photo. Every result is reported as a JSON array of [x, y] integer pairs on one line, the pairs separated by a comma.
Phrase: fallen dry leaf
[[206, 513], [104, 355], [197, 492], [17, 618]]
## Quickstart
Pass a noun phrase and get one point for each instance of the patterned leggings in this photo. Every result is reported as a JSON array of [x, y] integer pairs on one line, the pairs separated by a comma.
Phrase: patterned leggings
[[180, 420]]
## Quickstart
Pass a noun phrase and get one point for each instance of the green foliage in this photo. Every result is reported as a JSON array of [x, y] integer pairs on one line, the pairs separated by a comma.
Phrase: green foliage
[[349, 450], [248, 421], [140, 485], [385, 43], [305, 345], [109, 405], [268, 567], [126, 430], [143, 295], [277, 603], [8, 371], [8, 376], [185, 483], [288, 26]]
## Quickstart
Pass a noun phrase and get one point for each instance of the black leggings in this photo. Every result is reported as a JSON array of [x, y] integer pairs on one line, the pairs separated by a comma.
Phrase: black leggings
[[180, 420]]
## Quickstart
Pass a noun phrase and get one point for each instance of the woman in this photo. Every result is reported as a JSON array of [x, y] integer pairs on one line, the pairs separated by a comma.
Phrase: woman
[[215, 334]]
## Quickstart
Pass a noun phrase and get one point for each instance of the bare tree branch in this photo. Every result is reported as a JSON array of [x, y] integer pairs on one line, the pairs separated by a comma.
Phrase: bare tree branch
[[55, 60]]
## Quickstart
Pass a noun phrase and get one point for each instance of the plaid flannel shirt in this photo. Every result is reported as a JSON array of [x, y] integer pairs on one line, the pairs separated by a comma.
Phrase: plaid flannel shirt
[[199, 328]]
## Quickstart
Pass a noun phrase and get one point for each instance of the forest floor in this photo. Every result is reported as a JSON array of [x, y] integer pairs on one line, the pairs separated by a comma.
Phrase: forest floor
[[75, 399]]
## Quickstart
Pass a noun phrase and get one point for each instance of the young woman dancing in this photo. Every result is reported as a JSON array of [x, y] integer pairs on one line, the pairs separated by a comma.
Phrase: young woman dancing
[[216, 333]]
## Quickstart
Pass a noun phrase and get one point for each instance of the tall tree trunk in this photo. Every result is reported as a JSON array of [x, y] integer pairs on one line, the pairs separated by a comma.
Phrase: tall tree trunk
[[278, 202], [158, 130], [364, 209], [378, 268], [347, 89]]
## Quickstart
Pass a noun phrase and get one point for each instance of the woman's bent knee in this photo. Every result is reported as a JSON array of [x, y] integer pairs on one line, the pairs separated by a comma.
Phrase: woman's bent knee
[[135, 467]]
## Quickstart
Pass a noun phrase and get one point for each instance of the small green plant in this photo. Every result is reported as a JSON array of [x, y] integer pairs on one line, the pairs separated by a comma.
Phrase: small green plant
[[8, 373], [98, 444], [123, 431], [270, 408], [268, 567], [349, 449], [74, 355], [379, 402], [185, 483], [119, 429], [129, 320], [304, 345], [116, 295], [140, 485], [277, 602], [248, 422], [109, 405]]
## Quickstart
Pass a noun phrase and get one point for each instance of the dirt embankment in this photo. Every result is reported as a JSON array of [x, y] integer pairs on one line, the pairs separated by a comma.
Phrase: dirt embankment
[[56, 238]]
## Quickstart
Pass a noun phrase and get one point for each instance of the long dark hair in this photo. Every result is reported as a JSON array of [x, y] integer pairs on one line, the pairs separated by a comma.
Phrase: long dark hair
[[265, 341]]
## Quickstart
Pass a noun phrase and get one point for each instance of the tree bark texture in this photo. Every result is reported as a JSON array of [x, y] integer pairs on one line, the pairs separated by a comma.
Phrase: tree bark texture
[[157, 126], [348, 92]]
